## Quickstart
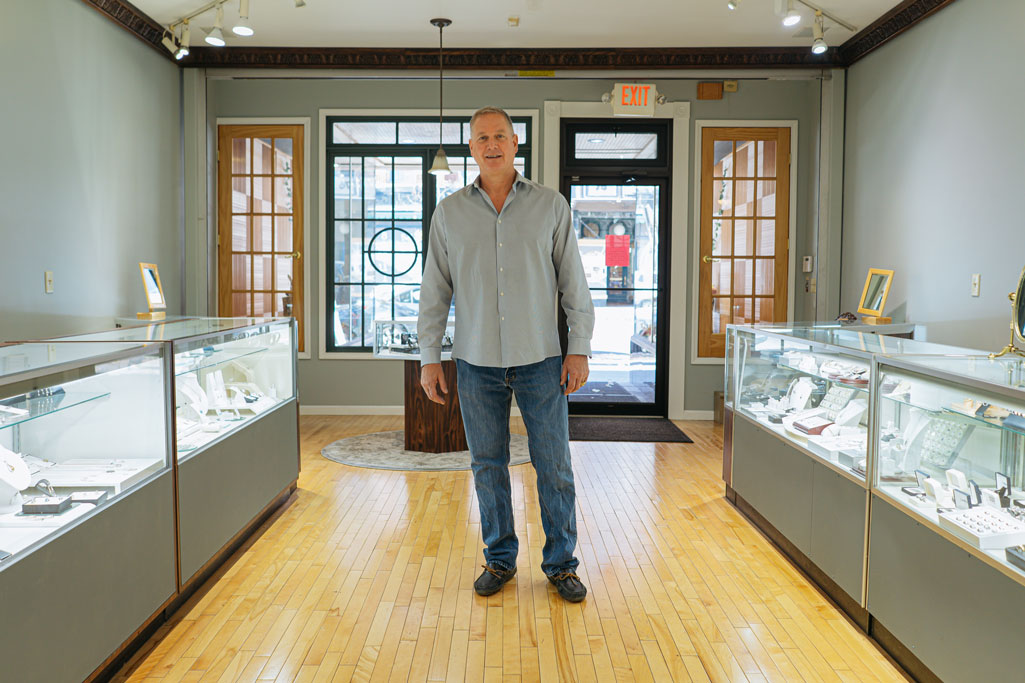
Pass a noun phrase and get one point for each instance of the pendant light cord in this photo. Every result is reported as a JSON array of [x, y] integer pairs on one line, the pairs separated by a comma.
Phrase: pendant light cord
[[441, 89]]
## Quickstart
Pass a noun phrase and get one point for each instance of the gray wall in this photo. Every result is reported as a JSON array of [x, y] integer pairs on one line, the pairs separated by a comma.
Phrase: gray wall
[[379, 383], [935, 166], [90, 182]]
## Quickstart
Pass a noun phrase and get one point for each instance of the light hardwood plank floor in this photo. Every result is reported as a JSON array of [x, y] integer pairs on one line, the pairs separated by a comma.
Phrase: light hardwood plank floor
[[367, 575]]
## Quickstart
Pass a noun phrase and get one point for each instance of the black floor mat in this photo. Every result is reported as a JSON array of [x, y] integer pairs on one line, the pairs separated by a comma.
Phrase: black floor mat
[[625, 429]]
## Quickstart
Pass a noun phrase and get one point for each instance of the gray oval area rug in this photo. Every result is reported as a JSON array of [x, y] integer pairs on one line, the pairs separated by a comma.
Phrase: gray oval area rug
[[386, 451]]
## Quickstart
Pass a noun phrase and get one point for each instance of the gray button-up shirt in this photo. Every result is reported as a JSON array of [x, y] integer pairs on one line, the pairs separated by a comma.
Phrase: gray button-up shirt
[[506, 271]]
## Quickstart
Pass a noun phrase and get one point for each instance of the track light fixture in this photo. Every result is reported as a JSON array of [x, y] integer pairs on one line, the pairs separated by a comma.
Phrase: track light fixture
[[818, 45], [168, 42], [792, 17], [300, 3], [242, 26], [214, 36], [183, 48]]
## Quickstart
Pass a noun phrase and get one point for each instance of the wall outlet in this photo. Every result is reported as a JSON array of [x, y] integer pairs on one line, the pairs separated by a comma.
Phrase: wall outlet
[[807, 263], [48, 281], [976, 283]]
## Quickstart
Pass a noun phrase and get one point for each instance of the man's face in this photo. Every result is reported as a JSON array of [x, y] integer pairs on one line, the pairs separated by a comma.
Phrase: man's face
[[493, 144]]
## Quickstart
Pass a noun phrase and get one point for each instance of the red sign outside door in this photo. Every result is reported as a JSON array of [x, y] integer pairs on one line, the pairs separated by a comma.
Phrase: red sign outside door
[[617, 250]]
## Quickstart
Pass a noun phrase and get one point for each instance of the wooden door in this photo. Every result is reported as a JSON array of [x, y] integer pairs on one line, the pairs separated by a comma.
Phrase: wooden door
[[745, 226], [260, 222]]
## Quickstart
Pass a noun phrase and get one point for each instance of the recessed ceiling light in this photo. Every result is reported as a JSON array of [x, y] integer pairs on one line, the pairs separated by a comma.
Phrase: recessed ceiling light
[[732, 4]]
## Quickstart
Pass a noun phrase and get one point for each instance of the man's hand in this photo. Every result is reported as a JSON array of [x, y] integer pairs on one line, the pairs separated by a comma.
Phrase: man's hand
[[574, 372], [432, 378]]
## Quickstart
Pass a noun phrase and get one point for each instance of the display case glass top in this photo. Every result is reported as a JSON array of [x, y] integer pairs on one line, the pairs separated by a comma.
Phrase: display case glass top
[[81, 424], [951, 449], [810, 392], [228, 371], [398, 339]]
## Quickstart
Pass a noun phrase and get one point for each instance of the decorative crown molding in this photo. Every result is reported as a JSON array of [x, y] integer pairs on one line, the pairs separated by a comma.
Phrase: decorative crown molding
[[893, 23], [508, 58], [132, 19], [889, 26]]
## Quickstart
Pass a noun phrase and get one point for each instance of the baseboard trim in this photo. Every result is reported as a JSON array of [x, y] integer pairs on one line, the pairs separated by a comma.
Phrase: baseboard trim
[[350, 410], [363, 410]]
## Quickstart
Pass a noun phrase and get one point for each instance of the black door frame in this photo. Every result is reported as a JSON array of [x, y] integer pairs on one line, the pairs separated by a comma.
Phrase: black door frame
[[656, 172]]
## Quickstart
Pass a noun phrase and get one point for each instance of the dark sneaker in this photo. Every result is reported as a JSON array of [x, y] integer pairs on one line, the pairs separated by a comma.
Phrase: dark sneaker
[[492, 580], [569, 586]]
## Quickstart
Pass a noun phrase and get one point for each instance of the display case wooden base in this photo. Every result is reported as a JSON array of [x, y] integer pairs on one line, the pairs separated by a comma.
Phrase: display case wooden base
[[432, 427]]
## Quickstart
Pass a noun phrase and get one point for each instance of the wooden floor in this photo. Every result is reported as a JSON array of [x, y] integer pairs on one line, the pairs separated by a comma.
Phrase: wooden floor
[[367, 575]]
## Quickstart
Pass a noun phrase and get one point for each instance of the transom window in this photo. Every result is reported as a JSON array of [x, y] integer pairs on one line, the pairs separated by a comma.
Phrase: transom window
[[379, 206]]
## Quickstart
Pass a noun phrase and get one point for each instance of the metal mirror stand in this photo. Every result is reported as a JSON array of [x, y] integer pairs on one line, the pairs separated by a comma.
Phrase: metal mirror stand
[[1017, 320]]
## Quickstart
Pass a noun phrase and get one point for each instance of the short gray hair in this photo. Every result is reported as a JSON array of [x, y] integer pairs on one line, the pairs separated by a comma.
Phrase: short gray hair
[[484, 111]]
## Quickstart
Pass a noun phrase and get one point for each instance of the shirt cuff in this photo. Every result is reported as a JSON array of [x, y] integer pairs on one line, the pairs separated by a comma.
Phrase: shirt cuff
[[578, 346], [430, 355]]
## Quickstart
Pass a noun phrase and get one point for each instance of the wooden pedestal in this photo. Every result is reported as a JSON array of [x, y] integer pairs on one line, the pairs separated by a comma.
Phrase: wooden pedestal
[[430, 427]]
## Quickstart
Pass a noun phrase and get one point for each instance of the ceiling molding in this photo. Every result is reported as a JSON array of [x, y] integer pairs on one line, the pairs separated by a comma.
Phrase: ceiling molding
[[889, 26], [508, 58], [132, 19], [886, 28]]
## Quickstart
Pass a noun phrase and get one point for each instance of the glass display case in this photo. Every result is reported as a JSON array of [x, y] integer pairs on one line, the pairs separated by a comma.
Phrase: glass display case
[[951, 447], [227, 371], [398, 339], [81, 426], [810, 386]]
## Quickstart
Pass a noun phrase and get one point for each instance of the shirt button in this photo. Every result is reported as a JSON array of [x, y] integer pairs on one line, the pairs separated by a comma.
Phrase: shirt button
[[501, 270], [501, 294], [499, 220], [503, 317], [499, 244]]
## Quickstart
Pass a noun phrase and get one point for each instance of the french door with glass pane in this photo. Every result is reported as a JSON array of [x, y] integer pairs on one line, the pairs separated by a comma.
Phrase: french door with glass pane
[[745, 223], [260, 221]]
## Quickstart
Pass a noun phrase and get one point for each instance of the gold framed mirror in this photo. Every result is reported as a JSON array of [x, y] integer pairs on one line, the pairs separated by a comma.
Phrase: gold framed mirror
[[874, 295], [1017, 320], [1018, 299], [154, 292]]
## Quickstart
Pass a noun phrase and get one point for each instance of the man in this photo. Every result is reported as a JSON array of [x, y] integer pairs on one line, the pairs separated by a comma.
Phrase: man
[[506, 249]]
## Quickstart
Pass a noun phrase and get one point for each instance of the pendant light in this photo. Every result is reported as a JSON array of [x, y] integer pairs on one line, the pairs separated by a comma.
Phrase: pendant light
[[440, 165]]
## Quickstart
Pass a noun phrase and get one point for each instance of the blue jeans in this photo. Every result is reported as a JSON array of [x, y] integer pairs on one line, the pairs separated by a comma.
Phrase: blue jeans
[[485, 397]]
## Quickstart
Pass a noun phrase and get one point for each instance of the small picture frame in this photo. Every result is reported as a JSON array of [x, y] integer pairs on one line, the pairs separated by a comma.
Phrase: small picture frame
[[875, 292], [154, 292]]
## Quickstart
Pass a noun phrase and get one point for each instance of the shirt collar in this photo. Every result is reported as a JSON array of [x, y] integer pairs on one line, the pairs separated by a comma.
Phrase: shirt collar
[[516, 182]]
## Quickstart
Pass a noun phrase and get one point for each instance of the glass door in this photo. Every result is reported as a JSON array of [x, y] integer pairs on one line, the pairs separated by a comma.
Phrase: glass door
[[620, 225]]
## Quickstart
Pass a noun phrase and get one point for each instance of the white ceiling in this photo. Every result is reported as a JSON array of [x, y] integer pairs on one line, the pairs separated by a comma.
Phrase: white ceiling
[[543, 23]]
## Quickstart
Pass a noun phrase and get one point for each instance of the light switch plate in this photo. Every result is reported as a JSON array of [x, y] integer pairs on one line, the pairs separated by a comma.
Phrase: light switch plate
[[976, 283], [48, 281]]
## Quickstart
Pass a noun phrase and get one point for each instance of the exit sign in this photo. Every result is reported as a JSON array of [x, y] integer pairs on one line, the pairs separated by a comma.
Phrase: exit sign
[[633, 99]]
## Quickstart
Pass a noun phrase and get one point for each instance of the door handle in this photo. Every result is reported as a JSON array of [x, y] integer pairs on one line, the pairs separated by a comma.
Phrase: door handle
[[708, 259], [297, 255]]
